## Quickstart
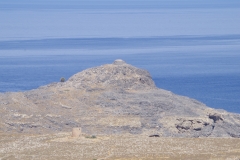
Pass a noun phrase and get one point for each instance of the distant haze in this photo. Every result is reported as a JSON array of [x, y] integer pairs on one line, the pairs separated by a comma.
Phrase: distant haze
[[124, 4], [43, 19]]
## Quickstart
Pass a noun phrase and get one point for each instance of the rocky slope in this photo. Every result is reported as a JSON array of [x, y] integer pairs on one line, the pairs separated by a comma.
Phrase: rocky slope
[[113, 99]]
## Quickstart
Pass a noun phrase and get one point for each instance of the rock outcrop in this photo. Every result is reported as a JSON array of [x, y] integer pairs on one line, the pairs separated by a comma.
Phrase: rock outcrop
[[113, 99]]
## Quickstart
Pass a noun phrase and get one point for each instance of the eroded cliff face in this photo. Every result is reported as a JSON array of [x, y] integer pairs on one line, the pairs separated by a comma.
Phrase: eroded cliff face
[[113, 99]]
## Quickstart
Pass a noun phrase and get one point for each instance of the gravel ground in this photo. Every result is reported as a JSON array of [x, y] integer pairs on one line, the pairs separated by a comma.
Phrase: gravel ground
[[63, 146]]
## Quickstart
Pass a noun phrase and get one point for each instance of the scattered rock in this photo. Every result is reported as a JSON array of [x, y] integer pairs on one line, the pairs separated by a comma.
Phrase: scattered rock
[[215, 117], [154, 135], [76, 132]]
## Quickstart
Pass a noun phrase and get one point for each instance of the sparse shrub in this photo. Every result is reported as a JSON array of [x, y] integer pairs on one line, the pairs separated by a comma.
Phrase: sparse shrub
[[92, 136], [62, 79]]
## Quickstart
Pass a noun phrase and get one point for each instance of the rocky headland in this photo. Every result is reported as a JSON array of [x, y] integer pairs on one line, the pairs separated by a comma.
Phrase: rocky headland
[[112, 99]]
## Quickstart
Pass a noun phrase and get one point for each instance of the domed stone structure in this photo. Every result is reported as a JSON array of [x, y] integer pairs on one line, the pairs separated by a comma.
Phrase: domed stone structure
[[119, 62]]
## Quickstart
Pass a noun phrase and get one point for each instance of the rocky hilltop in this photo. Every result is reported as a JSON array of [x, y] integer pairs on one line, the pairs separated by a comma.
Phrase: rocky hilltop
[[114, 98]]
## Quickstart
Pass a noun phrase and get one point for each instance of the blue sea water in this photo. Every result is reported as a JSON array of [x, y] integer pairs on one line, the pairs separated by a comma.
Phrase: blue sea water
[[206, 68], [191, 49]]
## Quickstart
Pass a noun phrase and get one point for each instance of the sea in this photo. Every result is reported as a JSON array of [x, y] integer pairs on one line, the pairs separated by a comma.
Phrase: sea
[[204, 68], [191, 49]]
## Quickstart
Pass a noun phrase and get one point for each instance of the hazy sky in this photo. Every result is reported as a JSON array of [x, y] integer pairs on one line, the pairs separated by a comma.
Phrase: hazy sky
[[38, 19], [116, 4]]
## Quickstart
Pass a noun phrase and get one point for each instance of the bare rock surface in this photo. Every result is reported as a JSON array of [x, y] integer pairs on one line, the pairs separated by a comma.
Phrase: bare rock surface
[[114, 98]]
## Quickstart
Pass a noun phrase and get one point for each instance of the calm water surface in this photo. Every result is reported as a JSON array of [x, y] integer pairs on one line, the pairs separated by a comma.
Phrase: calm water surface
[[201, 68]]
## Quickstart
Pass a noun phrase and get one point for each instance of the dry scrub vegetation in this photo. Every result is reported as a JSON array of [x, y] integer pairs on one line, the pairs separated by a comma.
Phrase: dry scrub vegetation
[[124, 147]]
